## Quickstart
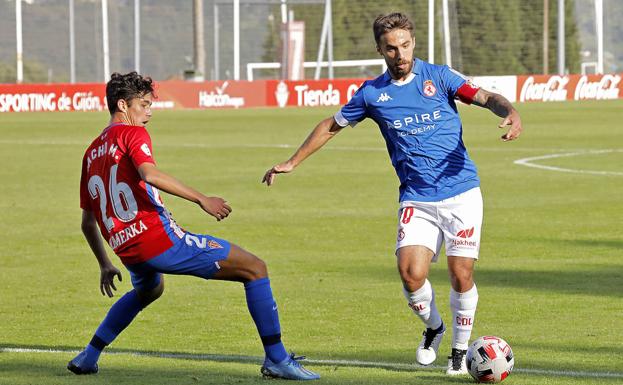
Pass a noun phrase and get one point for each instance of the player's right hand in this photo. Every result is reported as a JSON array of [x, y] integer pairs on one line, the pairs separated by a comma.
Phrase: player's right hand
[[280, 168], [107, 279], [215, 206]]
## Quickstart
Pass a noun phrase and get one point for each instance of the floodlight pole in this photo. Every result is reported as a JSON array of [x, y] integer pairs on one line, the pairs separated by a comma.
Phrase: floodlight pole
[[599, 26], [446, 32], [105, 40], [137, 35], [18, 41], [217, 57], [199, 46], [323, 38], [561, 37], [330, 39], [236, 39], [285, 39], [431, 31], [72, 43], [545, 37]]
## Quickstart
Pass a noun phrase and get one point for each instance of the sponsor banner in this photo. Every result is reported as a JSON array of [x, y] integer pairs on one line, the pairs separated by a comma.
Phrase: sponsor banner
[[311, 93], [208, 95], [174, 94], [553, 88], [52, 97]]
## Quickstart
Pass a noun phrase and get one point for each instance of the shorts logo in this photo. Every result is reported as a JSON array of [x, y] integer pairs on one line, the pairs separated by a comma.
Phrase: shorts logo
[[429, 88], [214, 244], [401, 235], [465, 242], [467, 233], [202, 242], [407, 213]]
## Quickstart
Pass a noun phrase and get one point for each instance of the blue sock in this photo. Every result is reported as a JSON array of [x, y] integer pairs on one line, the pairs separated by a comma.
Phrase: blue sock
[[118, 318], [263, 310]]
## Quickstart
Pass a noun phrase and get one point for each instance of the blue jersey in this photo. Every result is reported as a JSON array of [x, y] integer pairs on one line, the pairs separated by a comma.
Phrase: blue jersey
[[420, 123]]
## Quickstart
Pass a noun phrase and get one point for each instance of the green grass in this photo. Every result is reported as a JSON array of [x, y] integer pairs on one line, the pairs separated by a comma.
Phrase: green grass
[[550, 274]]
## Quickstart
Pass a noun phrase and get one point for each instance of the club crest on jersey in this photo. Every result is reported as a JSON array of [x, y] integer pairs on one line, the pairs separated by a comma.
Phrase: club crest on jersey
[[145, 149], [429, 88]]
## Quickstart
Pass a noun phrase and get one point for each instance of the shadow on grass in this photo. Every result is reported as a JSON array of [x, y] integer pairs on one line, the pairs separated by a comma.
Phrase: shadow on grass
[[594, 281], [616, 244]]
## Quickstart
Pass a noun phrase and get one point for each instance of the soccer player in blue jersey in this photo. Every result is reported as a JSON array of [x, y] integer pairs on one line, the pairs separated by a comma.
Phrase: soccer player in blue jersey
[[414, 105]]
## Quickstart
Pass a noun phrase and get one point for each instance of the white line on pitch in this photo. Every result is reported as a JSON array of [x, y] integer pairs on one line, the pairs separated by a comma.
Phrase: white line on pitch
[[344, 363], [528, 162]]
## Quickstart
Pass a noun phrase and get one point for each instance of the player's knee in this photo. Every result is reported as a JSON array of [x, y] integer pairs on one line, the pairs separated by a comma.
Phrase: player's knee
[[412, 278], [462, 280], [149, 296], [258, 269], [157, 293]]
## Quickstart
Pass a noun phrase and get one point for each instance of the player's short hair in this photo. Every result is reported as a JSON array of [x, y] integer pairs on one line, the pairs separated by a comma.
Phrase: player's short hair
[[385, 23], [126, 87]]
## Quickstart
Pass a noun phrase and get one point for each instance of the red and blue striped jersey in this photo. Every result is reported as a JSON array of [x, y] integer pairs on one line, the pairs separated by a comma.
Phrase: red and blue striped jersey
[[130, 213]]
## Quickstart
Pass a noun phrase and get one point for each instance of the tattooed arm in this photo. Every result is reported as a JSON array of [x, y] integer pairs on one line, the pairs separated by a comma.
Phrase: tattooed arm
[[500, 106]]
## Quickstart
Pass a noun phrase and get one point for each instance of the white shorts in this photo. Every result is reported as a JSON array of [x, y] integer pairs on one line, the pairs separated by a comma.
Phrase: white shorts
[[456, 221]]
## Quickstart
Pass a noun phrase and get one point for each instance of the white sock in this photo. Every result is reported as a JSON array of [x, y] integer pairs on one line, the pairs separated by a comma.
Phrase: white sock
[[422, 302], [463, 306]]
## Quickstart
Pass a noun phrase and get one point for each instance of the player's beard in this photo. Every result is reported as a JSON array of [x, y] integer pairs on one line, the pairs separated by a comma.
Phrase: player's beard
[[401, 72]]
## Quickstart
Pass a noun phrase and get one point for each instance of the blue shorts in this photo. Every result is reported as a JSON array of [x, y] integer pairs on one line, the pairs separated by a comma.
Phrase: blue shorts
[[194, 254]]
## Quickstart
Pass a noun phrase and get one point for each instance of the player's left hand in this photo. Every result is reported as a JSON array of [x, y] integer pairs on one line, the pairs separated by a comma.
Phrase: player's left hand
[[514, 121], [107, 279], [215, 206]]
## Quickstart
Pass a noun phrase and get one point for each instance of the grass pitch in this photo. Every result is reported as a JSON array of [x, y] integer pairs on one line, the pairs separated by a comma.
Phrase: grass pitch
[[550, 274]]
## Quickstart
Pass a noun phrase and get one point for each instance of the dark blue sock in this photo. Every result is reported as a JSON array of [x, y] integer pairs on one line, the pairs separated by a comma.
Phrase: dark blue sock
[[118, 318], [263, 310]]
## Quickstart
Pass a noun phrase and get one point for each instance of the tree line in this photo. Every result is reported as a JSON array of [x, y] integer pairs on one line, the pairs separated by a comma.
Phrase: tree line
[[492, 37]]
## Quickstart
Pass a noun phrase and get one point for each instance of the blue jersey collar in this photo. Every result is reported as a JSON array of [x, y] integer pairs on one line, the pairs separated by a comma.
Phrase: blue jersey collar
[[417, 66]]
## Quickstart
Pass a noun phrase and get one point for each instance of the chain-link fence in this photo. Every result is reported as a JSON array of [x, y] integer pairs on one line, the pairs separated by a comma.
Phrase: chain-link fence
[[486, 37]]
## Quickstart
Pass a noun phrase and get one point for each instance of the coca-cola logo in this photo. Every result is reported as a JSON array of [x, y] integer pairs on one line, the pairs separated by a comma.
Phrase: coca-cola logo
[[554, 90], [605, 88]]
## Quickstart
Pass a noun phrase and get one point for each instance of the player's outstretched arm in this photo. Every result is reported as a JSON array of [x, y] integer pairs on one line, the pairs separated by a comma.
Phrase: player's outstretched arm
[[320, 135], [500, 106], [108, 271], [215, 206]]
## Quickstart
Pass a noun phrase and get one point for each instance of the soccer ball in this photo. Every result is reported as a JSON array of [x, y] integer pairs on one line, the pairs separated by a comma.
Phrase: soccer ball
[[490, 359]]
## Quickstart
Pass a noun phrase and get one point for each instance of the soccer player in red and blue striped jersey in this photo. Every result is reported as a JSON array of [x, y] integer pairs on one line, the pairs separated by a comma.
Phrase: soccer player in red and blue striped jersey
[[120, 201]]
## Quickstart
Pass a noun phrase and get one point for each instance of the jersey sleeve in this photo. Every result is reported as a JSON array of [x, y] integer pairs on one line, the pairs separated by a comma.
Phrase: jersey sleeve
[[354, 111], [458, 85], [84, 191], [138, 143]]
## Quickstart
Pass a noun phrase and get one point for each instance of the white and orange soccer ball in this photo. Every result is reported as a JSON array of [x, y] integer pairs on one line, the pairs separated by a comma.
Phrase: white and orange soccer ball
[[490, 359]]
